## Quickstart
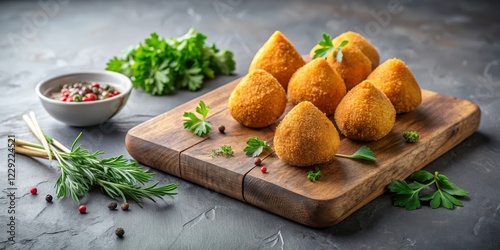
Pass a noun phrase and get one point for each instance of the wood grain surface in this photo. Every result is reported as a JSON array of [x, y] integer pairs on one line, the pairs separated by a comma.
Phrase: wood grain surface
[[346, 185]]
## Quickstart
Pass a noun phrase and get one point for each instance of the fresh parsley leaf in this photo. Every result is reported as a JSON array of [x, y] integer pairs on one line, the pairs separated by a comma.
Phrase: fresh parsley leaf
[[161, 66], [449, 187], [314, 175], [256, 146], [326, 46], [421, 176], [199, 126], [327, 40], [115, 64], [343, 43], [400, 187], [364, 153], [192, 79], [321, 52], [221, 61], [224, 150], [407, 195], [411, 136]]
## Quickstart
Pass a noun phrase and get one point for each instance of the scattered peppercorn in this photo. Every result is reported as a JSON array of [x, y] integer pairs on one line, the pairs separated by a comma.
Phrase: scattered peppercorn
[[48, 198], [125, 206], [82, 209], [257, 161], [33, 190], [263, 169], [222, 129], [112, 205], [119, 232]]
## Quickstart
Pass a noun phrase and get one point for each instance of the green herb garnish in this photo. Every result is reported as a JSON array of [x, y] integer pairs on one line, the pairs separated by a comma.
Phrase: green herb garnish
[[327, 47], [117, 176], [314, 175], [364, 153], [224, 150], [411, 136], [255, 146], [81, 170], [160, 66], [407, 194], [196, 125]]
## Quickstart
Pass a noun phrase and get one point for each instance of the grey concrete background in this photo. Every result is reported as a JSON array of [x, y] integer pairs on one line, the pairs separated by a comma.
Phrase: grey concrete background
[[451, 46]]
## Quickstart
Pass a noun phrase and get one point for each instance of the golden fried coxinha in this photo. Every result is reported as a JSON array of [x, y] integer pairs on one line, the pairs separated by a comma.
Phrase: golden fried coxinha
[[279, 57], [354, 67], [258, 100], [365, 113], [306, 137], [318, 83], [397, 82]]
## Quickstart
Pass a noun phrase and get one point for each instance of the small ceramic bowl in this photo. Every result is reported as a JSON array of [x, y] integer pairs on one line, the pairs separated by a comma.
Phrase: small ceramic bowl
[[89, 113]]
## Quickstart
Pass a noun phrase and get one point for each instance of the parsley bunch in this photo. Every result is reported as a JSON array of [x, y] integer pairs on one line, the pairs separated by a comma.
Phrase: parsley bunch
[[160, 66], [407, 194]]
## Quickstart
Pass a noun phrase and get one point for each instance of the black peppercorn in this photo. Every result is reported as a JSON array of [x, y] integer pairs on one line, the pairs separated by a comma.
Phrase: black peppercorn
[[125, 206], [48, 198], [119, 232], [222, 129], [112, 205]]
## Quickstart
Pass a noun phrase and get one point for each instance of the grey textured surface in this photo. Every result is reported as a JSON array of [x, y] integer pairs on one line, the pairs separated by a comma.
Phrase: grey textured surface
[[451, 46]]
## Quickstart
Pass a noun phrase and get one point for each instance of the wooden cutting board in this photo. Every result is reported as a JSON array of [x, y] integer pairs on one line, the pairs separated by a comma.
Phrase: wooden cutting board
[[346, 185]]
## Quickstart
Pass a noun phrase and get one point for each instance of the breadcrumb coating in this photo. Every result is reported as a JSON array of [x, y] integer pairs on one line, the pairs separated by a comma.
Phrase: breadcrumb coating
[[306, 137], [397, 82], [279, 57], [354, 67], [258, 100], [318, 83], [365, 113]]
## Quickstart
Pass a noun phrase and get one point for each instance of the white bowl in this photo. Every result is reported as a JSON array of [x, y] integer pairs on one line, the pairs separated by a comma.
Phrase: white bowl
[[84, 113]]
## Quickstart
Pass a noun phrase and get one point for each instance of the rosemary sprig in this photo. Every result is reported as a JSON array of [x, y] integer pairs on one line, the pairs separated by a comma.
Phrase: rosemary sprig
[[136, 192], [81, 169]]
